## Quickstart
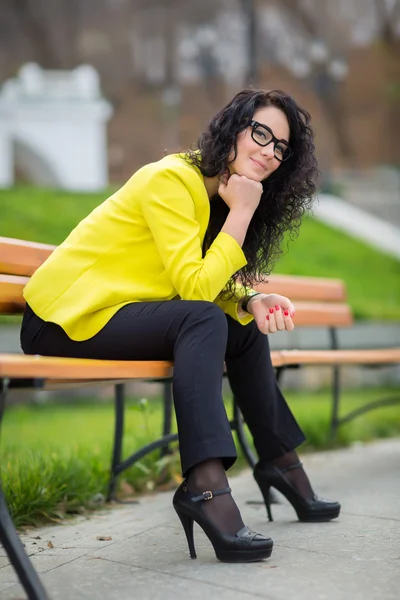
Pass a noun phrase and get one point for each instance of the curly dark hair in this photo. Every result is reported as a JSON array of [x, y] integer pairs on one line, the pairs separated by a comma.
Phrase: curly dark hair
[[287, 193]]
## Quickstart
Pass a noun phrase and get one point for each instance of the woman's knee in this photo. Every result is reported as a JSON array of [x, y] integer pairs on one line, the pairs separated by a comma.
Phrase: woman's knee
[[210, 315]]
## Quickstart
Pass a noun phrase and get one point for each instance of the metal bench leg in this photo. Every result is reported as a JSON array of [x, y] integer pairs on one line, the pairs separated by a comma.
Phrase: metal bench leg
[[335, 421], [9, 537], [118, 434], [278, 374], [238, 424], [168, 406], [117, 464], [17, 555]]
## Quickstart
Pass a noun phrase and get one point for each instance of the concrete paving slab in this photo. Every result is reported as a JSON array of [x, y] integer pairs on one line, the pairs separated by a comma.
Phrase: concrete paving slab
[[291, 574], [92, 579], [356, 557], [42, 563]]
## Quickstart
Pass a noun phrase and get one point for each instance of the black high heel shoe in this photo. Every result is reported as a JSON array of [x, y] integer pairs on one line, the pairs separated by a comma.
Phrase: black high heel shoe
[[308, 510], [245, 546]]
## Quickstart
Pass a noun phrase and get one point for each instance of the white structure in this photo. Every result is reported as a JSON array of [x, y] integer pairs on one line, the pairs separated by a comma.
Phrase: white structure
[[53, 128]]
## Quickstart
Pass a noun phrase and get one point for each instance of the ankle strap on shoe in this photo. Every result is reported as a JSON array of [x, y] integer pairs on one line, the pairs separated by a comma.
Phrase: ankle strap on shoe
[[210, 495], [291, 467]]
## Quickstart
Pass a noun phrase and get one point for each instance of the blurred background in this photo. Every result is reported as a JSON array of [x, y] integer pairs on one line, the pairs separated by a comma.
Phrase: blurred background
[[167, 66]]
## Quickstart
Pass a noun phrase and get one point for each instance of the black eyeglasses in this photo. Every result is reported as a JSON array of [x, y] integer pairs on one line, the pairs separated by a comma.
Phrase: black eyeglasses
[[263, 136]]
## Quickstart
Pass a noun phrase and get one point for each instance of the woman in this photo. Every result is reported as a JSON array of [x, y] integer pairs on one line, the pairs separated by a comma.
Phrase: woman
[[153, 274]]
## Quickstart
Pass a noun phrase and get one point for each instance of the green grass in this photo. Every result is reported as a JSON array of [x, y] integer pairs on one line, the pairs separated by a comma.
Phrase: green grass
[[44, 215], [55, 457], [372, 277]]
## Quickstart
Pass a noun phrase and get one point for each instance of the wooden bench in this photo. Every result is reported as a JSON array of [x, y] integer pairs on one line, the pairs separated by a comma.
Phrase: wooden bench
[[319, 303]]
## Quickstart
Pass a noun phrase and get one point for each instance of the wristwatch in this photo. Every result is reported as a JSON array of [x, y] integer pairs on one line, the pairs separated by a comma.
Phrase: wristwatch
[[247, 299]]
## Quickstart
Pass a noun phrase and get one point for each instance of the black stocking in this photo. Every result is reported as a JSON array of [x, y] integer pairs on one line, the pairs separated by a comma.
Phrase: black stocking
[[296, 477], [221, 510]]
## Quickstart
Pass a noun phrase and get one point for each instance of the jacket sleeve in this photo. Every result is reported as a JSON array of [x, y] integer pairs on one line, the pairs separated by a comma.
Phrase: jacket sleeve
[[231, 305], [170, 213]]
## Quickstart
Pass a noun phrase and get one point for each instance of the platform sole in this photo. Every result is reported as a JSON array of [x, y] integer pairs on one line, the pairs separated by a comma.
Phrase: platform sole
[[233, 556], [321, 517]]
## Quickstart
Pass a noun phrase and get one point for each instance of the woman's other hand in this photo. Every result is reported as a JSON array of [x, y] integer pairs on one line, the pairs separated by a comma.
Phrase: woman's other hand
[[272, 312]]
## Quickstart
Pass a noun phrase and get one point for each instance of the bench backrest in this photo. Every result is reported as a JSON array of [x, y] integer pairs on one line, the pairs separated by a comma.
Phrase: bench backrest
[[319, 301], [18, 261]]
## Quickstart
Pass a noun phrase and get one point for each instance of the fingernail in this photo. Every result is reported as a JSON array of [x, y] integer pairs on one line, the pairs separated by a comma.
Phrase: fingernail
[[271, 310], [277, 307], [286, 313], [267, 317]]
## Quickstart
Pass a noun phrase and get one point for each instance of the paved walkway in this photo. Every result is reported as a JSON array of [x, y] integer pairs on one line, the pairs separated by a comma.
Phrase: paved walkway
[[144, 555]]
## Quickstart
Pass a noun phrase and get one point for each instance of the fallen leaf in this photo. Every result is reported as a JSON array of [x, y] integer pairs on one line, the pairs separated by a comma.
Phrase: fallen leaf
[[104, 538], [126, 489], [49, 544]]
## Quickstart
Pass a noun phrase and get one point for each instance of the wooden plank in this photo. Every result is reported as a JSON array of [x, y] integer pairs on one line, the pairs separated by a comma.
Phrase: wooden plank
[[304, 288], [82, 370], [341, 357], [11, 299], [322, 314], [49, 367], [18, 257], [308, 314]]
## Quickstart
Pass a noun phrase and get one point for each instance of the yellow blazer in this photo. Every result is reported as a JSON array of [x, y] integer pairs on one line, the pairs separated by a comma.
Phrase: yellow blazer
[[144, 243]]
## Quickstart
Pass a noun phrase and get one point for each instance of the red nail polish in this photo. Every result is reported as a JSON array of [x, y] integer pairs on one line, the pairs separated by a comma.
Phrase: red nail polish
[[286, 313], [267, 317], [271, 310], [277, 307]]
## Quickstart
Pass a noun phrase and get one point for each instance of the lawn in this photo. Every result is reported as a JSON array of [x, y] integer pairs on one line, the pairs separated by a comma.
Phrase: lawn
[[372, 277], [55, 457]]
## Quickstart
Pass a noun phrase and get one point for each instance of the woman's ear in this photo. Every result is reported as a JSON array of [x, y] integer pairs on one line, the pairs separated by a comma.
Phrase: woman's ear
[[231, 155]]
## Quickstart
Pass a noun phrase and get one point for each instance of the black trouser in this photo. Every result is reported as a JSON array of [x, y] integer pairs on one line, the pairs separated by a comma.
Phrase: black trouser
[[198, 337]]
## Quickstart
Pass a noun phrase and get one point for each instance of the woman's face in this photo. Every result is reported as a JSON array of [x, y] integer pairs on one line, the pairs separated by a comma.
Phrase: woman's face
[[259, 162]]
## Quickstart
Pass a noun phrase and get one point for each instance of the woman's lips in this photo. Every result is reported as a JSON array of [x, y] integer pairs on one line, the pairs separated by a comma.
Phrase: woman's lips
[[258, 163]]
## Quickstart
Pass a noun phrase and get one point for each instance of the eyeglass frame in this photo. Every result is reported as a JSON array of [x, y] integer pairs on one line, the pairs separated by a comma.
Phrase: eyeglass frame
[[255, 124]]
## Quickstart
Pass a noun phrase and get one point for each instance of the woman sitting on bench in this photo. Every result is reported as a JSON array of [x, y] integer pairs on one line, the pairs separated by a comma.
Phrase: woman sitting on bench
[[162, 270]]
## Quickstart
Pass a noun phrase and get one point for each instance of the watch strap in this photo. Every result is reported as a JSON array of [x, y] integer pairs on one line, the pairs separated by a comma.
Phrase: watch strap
[[247, 299]]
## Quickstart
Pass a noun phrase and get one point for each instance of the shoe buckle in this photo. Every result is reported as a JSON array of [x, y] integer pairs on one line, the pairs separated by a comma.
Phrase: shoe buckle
[[207, 495]]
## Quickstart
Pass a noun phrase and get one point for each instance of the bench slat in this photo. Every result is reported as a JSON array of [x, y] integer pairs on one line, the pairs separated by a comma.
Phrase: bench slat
[[308, 314], [341, 357], [18, 257], [304, 288], [49, 367], [64, 372], [83, 369], [322, 314], [11, 299]]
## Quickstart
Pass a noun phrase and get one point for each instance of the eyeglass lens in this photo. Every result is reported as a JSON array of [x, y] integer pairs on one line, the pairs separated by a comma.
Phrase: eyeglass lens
[[262, 136]]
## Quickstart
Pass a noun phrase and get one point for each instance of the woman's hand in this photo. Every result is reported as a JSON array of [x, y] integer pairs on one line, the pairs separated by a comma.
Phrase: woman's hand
[[240, 193], [271, 312]]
